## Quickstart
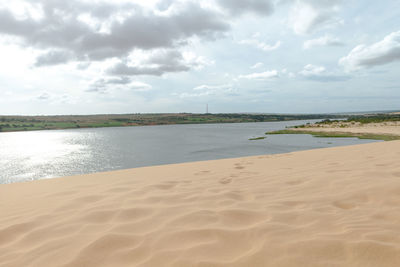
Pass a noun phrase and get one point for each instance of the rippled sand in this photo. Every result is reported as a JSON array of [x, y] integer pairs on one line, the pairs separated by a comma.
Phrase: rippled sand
[[327, 207]]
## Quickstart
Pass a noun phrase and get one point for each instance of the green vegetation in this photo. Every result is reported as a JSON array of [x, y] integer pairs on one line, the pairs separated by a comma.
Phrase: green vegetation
[[376, 118], [338, 134], [30, 123], [257, 138]]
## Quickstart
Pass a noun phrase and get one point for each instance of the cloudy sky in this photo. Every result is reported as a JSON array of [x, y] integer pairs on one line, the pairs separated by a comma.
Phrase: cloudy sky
[[126, 56]]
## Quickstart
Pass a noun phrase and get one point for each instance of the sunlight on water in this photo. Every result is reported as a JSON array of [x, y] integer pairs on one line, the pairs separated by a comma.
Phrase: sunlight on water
[[39, 146], [32, 151]]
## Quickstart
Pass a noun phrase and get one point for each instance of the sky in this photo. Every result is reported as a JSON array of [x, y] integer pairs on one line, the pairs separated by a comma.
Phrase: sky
[[268, 56]]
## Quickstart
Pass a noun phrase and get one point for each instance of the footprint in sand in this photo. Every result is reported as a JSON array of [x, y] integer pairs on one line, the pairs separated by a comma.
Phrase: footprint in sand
[[89, 199], [118, 189], [165, 186], [239, 166], [225, 180], [202, 173], [351, 203], [344, 205], [381, 165], [295, 182]]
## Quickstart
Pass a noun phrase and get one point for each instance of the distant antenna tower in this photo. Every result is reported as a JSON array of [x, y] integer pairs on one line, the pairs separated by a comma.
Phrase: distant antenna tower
[[207, 108]]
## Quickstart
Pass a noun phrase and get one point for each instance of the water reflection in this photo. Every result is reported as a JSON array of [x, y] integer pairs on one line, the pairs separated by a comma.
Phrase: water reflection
[[27, 155]]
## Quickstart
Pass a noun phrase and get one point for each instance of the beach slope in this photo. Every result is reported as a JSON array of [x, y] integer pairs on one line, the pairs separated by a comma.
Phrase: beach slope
[[325, 207]]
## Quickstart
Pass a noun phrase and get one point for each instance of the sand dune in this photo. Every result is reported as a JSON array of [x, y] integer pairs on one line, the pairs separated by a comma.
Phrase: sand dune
[[327, 207]]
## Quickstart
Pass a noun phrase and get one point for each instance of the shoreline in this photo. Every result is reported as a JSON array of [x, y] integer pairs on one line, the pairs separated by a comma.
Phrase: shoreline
[[330, 206], [337, 134], [386, 131]]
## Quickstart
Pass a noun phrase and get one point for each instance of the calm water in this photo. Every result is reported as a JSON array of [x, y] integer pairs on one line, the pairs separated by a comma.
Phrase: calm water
[[46, 154]]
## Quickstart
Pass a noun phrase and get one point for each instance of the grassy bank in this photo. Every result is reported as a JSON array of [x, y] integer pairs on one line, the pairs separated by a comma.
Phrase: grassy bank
[[339, 134], [257, 138]]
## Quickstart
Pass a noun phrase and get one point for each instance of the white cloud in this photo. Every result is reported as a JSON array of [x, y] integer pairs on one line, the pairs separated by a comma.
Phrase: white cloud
[[320, 74], [195, 61], [240, 7], [307, 16], [205, 87], [326, 40], [139, 86], [267, 75], [310, 70], [257, 65], [209, 90], [287, 73], [261, 45], [380, 53], [104, 85]]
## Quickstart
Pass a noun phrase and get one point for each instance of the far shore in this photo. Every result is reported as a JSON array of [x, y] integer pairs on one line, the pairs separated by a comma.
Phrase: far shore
[[34, 123]]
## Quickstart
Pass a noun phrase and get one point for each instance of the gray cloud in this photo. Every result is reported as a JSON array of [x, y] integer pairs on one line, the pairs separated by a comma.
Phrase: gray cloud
[[43, 96], [140, 87], [123, 69], [53, 58], [158, 63], [99, 85], [154, 32], [239, 7], [119, 80], [103, 85], [61, 29]]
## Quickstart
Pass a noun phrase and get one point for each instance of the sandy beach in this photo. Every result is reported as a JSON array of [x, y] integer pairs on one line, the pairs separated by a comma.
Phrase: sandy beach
[[326, 207], [382, 128]]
